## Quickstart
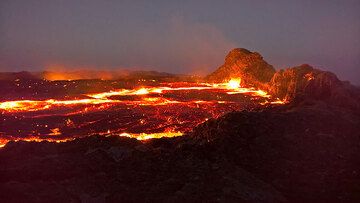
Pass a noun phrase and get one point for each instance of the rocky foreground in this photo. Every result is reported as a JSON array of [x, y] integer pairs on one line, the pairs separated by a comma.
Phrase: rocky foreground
[[305, 151]]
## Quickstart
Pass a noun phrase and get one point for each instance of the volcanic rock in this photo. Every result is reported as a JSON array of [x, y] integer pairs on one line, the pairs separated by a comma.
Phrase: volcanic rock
[[304, 151], [95, 169], [242, 63], [301, 152], [305, 82], [292, 84], [307, 151]]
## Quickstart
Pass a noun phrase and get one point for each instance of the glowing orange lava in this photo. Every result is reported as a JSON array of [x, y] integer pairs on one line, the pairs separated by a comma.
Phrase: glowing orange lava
[[234, 83], [146, 136], [231, 87], [146, 96]]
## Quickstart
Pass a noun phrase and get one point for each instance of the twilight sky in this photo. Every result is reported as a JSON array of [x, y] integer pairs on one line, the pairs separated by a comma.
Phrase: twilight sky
[[178, 36]]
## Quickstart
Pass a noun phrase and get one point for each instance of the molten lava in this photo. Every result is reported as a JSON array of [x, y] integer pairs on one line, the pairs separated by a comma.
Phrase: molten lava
[[234, 83], [145, 136], [144, 112]]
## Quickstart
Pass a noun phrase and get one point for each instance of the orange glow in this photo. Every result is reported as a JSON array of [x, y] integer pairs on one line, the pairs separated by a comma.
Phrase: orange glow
[[55, 131], [146, 136], [3, 142], [218, 95], [276, 102], [234, 83], [61, 72], [232, 87], [31, 105]]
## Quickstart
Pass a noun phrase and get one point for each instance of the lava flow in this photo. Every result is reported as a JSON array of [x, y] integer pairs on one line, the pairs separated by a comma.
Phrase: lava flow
[[164, 110]]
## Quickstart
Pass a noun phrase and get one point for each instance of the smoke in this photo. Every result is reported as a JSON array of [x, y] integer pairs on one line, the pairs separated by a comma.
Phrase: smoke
[[182, 47], [177, 46], [68, 72], [174, 45], [82, 74]]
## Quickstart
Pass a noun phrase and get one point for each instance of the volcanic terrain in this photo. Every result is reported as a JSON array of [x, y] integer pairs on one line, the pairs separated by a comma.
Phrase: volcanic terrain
[[245, 132]]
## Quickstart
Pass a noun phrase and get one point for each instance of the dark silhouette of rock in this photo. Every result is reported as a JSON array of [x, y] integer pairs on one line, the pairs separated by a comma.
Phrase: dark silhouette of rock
[[113, 169], [307, 151], [249, 66], [305, 82], [301, 152]]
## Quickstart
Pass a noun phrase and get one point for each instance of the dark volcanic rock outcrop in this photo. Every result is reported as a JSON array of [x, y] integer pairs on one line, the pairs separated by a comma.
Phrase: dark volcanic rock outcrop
[[298, 83], [305, 82], [247, 65], [293, 82]]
